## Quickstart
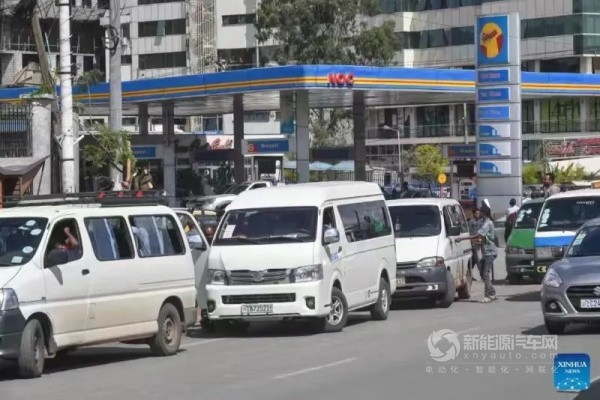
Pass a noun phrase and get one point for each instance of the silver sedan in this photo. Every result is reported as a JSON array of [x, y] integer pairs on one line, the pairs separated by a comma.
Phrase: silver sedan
[[571, 287]]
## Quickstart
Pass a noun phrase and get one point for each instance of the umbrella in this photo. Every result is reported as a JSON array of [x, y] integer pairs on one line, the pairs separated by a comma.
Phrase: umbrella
[[319, 166], [347, 166], [289, 164]]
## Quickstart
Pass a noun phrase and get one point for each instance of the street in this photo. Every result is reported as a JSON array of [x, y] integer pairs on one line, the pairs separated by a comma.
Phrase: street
[[386, 359]]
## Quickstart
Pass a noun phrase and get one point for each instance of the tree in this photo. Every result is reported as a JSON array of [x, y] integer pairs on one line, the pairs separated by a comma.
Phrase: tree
[[325, 32], [532, 173], [569, 173], [429, 161], [112, 149]]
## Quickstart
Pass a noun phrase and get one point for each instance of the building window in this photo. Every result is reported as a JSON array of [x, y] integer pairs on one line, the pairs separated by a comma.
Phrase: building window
[[433, 121], [147, 2], [239, 19], [560, 115], [163, 60], [392, 6], [126, 59], [528, 116], [238, 58], [161, 28], [586, 6], [125, 31]]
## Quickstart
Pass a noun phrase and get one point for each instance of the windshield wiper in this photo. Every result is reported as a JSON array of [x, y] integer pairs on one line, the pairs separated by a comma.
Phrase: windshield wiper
[[244, 239], [284, 237]]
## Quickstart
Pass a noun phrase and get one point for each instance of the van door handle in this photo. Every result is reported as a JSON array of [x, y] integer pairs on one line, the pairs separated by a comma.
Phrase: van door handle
[[85, 271]]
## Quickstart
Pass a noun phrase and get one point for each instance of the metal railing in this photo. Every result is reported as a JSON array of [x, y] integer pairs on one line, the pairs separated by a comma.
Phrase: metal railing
[[15, 131]]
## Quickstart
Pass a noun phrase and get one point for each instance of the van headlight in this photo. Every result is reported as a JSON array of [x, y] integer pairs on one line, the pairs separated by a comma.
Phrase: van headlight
[[217, 277], [309, 273], [552, 279], [8, 300], [543, 253], [514, 250], [431, 262]]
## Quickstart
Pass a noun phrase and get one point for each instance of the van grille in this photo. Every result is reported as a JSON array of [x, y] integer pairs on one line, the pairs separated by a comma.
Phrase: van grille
[[259, 298], [266, 277], [407, 265]]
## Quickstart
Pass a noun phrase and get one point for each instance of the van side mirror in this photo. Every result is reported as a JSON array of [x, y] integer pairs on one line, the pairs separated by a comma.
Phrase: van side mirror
[[331, 235], [454, 231], [57, 257]]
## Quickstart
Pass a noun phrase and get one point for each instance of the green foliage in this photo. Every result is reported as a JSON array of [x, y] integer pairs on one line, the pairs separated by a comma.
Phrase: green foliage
[[89, 78], [429, 161], [532, 173], [324, 32], [329, 132], [112, 148], [570, 173]]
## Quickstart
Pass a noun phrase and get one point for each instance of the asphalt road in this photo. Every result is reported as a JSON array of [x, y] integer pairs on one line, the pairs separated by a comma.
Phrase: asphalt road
[[388, 359]]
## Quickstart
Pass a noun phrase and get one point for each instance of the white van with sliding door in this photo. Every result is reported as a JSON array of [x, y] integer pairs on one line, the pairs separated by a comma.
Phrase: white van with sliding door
[[317, 251], [430, 263], [76, 275]]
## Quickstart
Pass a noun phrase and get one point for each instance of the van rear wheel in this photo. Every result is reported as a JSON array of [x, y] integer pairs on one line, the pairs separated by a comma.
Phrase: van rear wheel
[[168, 338], [32, 353]]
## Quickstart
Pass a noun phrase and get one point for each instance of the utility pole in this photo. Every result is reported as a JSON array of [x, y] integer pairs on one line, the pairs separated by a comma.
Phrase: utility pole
[[115, 119], [66, 99]]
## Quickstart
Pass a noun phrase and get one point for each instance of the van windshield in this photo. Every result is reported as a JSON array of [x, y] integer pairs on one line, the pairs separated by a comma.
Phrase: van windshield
[[20, 239], [528, 215], [268, 226], [416, 221], [568, 214]]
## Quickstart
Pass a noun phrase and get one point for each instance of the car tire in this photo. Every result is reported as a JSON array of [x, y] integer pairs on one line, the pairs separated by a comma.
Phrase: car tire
[[381, 309], [554, 328], [513, 279], [207, 325], [338, 315], [464, 293], [167, 340], [448, 296], [32, 353]]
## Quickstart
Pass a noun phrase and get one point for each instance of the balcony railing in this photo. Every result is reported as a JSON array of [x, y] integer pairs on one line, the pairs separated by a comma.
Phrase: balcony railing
[[15, 131]]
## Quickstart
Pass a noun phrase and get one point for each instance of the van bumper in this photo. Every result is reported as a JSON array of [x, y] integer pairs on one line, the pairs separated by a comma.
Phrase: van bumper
[[12, 324], [421, 282]]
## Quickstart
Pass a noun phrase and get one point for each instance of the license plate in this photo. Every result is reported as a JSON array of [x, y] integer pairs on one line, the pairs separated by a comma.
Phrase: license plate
[[590, 303], [257, 309], [400, 281]]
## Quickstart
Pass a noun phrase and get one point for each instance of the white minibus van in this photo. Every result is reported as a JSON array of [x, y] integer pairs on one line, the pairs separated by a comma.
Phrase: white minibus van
[[78, 275], [317, 250]]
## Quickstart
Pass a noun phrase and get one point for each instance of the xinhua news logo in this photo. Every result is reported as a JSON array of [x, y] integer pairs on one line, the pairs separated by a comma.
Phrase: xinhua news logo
[[572, 372]]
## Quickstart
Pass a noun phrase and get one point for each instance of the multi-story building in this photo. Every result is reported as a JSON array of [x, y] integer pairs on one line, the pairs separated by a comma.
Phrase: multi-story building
[[17, 44], [557, 36]]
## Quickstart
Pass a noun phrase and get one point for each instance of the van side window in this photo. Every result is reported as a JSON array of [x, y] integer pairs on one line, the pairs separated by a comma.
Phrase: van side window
[[110, 238], [464, 226], [328, 219], [65, 235], [363, 221], [157, 235]]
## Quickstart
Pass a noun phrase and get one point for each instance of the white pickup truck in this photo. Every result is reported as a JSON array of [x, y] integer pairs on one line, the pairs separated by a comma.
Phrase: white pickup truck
[[220, 201]]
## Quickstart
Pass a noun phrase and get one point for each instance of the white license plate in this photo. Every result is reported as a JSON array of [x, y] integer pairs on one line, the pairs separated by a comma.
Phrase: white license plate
[[590, 303], [400, 281], [257, 309]]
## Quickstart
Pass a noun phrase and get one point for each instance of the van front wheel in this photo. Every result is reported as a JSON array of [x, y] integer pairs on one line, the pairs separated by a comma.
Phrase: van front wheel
[[32, 353], [381, 309], [338, 314], [448, 297], [168, 338]]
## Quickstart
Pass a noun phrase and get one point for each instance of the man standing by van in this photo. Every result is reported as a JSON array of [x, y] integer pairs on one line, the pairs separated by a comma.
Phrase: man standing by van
[[550, 188], [487, 235]]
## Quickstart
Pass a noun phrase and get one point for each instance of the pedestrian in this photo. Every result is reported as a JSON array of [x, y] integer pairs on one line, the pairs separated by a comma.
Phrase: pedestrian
[[475, 224], [487, 235], [146, 181], [549, 187], [511, 219]]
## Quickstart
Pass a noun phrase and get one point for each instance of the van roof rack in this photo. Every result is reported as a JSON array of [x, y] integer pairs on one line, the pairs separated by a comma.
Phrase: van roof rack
[[104, 199]]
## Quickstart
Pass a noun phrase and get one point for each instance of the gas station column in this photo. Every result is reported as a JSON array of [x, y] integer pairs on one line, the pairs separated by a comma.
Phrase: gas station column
[[360, 148], [169, 167], [143, 118], [302, 137], [239, 174]]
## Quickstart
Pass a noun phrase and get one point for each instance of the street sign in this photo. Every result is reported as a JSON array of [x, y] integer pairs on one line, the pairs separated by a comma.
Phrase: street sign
[[442, 179]]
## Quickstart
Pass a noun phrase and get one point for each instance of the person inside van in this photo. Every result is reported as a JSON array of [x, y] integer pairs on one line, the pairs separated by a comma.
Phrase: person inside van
[[69, 242], [487, 235]]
